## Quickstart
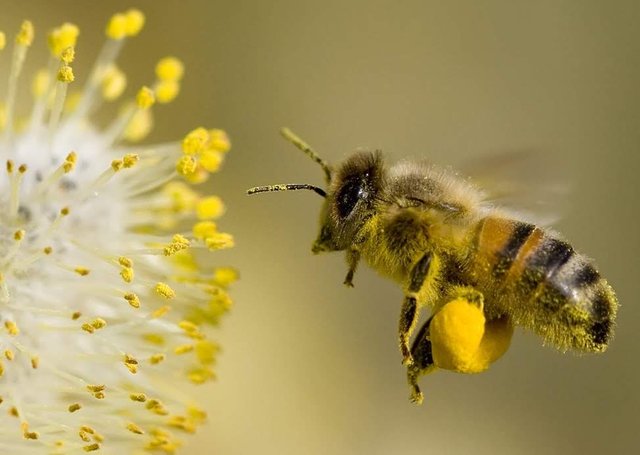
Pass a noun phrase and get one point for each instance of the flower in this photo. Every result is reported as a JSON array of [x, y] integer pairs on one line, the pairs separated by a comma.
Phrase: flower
[[104, 308]]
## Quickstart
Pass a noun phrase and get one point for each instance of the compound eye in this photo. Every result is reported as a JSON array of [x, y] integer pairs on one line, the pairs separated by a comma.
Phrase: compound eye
[[351, 192]]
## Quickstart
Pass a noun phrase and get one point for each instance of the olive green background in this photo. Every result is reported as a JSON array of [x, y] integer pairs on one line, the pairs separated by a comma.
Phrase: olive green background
[[312, 367]]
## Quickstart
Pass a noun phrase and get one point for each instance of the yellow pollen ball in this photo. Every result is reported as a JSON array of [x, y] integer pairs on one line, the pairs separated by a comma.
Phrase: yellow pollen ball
[[117, 27], [134, 21], [68, 55], [167, 91], [204, 229], [195, 141], [145, 98], [186, 165], [169, 69], [65, 74], [219, 140], [165, 291], [25, 35], [63, 37], [129, 160], [211, 160], [210, 207], [219, 241]]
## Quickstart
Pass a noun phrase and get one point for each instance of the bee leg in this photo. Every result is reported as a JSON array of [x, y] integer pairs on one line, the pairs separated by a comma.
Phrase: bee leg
[[353, 257], [423, 362], [409, 313]]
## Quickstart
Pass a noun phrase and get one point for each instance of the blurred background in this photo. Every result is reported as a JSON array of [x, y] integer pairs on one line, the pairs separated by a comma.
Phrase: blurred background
[[312, 367]]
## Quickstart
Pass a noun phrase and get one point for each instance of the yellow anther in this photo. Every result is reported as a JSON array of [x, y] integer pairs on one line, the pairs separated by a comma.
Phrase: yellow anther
[[62, 38], [117, 27], [22, 168], [64, 211], [113, 83], [219, 241], [40, 83], [68, 55], [169, 69], [35, 362], [74, 407], [165, 291], [139, 126], [178, 243], [156, 359], [127, 274], [9, 167], [183, 349], [76, 315], [139, 397], [125, 261], [195, 141], [186, 165], [65, 74], [47, 250], [206, 352], [13, 412], [82, 271], [132, 427], [25, 35], [219, 140], [167, 91], [145, 98], [98, 323], [133, 369], [1, 368], [196, 414], [134, 21], [182, 197], [182, 423], [12, 328], [92, 447], [133, 299], [209, 208], [8, 353], [188, 326], [130, 359], [18, 235], [224, 276], [129, 160], [87, 327], [116, 165], [204, 229], [200, 375], [26, 433], [211, 160], [94, 388], [161, 311], [3, 40]]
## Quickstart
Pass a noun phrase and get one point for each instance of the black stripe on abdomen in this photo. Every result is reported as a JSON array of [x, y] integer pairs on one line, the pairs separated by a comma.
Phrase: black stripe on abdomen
[[507, 255]]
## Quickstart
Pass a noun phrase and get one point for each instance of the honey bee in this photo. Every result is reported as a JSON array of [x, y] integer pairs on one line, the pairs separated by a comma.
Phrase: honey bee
[[434, 233]]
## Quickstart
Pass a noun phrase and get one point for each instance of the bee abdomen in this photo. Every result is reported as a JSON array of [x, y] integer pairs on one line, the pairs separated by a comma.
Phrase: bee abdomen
[[544, 284]]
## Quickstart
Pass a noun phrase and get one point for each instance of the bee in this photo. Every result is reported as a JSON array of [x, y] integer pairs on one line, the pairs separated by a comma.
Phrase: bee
[[436, 235]]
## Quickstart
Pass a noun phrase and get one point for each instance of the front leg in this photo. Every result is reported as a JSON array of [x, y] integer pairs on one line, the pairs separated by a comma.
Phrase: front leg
[[353, 257], [410, 307]]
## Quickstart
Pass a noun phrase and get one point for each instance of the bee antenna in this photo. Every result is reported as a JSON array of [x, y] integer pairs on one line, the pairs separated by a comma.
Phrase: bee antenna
[[287, 187], [306, 148]]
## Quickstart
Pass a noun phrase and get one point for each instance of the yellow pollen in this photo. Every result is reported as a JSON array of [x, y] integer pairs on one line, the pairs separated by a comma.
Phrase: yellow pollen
[[116, 165], [165, 291], [178, 243], [132, 427], [169, 69], [186, 165], [62, 38], [82, 271], [204, 229], [68, 55], [156, 359], [134, 21], [210, 207], [18, 235], [133, 299], [127, 274], [195, 141], [65, 74], [12, 328], [74, 407], [183, 349], [129, 160], [139, 397], [145, 98], [117, 27], [25, 35], [125, 261], [35, 362], [167, 91], [161, 311]]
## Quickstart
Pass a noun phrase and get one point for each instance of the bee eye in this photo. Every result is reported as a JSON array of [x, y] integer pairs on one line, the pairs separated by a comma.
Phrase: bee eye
[[348, 197]]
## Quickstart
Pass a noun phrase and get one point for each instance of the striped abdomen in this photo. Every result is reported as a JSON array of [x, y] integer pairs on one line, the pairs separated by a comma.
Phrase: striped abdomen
[[543, 284]]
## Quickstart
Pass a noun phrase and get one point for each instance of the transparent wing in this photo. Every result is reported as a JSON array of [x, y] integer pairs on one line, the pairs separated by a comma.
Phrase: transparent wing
[[534, 184]]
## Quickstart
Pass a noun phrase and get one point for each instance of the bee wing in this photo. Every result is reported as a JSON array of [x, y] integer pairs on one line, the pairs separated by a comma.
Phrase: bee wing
[[534, 184]]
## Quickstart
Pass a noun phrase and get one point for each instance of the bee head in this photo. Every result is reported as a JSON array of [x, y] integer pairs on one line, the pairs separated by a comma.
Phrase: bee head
[[349, 202]]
